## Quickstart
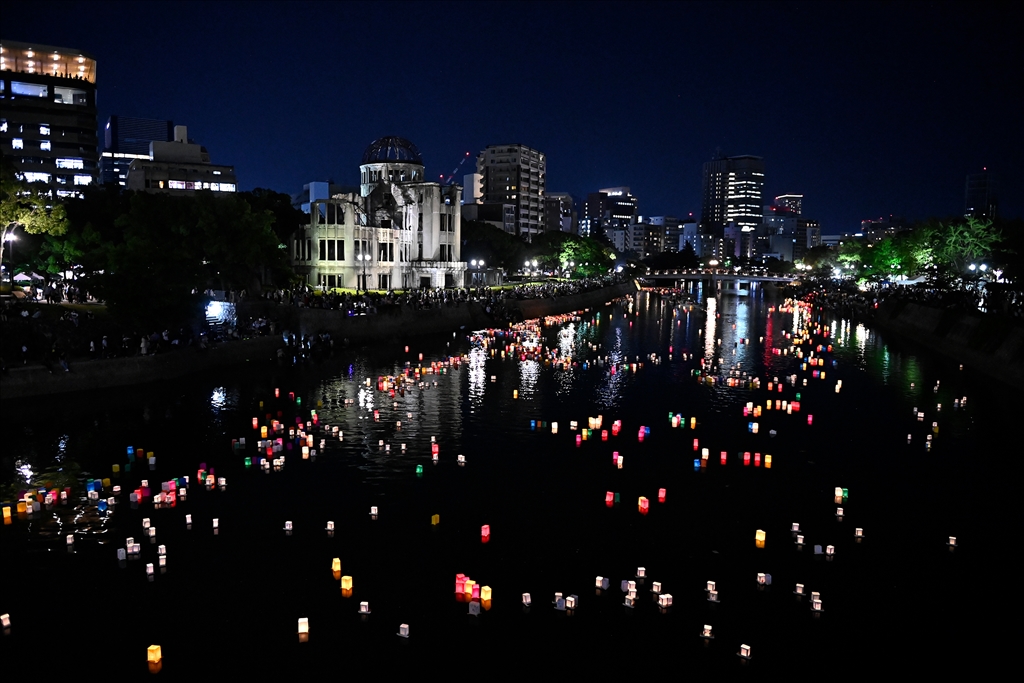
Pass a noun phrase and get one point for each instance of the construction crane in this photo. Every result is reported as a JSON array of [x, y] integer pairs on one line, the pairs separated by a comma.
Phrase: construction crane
[[448, 180]]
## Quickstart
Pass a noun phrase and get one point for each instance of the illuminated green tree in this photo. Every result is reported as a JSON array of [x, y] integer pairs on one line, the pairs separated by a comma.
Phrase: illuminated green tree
[[26, 205], [956, 245]]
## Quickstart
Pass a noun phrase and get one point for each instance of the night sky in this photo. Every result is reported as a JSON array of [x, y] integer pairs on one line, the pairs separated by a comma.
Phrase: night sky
[[869, 110]]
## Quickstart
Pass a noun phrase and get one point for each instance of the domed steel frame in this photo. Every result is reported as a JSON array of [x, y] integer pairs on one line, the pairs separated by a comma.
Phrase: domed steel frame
[[392, 149]]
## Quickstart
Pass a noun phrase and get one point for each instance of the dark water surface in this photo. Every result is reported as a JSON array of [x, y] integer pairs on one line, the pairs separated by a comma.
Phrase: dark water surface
[[230, 602]]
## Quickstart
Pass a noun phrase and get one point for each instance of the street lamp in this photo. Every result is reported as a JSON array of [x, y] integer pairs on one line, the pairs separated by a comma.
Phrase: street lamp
[[11, 238], [363, 258]]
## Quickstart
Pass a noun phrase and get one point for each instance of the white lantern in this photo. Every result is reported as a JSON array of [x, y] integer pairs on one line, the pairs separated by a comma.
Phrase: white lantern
[[304, 625], [795, 527], [641, 572], [364, 608], [656, 587], [745, 649], [665, 600], [526, 599], [799, 589], [403, 630], [706, 633]]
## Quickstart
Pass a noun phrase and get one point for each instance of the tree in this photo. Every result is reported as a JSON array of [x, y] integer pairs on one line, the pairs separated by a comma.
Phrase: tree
[[26, 205], [957, 244]]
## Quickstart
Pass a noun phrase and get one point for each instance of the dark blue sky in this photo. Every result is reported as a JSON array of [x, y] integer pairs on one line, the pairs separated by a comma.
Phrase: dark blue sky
[[868, 109]]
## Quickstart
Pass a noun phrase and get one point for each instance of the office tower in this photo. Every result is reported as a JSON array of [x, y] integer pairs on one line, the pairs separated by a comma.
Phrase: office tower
[[609, 209], [732, 189], [126, 138], [790, 203], [179, 167], [48, 115], [980, 196], [515, 174]]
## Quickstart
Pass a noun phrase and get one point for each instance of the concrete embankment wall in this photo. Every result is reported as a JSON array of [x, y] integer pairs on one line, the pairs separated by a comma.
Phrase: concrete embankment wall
[[991, 345], [396, 324], [36, 380], [388, 326]]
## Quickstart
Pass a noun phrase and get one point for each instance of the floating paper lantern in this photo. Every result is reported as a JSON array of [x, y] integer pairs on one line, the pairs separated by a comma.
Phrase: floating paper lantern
[[121, 554], [526, 600], [643, 504], [336, 564], [216, 523], [461, 459], [799, 539], [661, 495], [287, 526], [744, 652], [373, 510], [609, 497], [665, 600], [858, 532], [759, 536], [599, 582], [641, 572], [435, 520], [799, 590], [485, 593], [951, 542], [149, 569], [346, 583], [830, 550], [712, 596], [839, 513], [816, 605], [188, 519], [817, 550], [153, 653], [810, 418], [706, 632], [656, 587], [794, 527], [618, 461], [571, 602], [485, 531], [403, 630], [304, 625]]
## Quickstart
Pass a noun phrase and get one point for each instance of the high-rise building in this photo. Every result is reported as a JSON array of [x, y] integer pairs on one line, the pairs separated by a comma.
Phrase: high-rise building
[[608, 209], [790, 203], [515, 174], [126, 138], [980, 196], [48, 115], [179, 167], [559, 212], [732, 190]]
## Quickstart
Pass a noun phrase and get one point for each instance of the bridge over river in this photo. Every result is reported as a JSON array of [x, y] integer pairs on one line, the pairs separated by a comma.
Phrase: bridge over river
[[718, 278]]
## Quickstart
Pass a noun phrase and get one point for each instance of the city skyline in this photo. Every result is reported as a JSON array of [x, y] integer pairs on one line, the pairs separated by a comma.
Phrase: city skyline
[[867, 110]]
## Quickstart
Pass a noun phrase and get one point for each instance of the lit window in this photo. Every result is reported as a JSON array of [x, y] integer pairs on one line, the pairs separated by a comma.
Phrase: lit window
[[17, 143], [83, 179], [77, 164], [45, 145], [3, 126], [216, 173], [28, 89], [176, 184], [36, 177], [227, 187]]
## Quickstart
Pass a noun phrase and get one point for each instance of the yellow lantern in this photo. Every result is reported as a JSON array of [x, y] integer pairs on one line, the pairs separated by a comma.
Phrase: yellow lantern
[[153, 654], [435, 519], [336, 564], [759, 536], [485, 593], [346, 583]]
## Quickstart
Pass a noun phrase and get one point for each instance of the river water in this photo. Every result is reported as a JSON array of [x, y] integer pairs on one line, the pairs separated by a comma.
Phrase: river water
[[230, 601]]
